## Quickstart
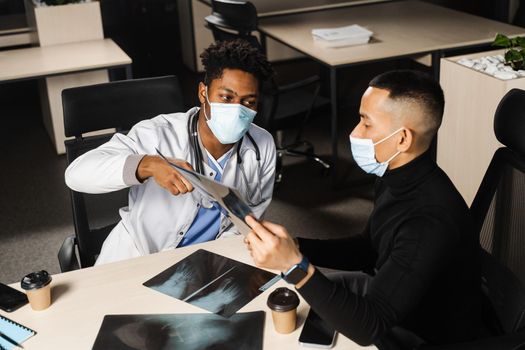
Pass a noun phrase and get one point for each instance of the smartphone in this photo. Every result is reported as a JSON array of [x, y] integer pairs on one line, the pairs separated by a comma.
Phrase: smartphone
[[316, 333], [10, 298]]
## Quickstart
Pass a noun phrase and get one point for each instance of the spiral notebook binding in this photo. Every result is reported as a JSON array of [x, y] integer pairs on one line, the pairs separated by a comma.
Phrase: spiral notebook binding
[[17, 324], [15, 333]]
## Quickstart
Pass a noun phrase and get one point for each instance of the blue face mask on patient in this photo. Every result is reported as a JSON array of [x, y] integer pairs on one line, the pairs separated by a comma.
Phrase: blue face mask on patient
[[364, 153], [229, 121]]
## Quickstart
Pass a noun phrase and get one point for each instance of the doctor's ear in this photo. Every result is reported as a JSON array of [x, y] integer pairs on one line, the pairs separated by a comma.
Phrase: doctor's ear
[[202, 92], [405, 141]]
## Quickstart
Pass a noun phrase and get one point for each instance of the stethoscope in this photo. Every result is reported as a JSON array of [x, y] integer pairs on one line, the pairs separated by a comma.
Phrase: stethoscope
[[199, 158]]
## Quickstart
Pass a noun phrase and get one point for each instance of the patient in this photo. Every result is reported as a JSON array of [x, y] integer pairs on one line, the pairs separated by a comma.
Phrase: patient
[[420, 279]]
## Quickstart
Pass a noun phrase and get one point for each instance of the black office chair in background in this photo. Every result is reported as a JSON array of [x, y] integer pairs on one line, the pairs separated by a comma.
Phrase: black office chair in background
[[281, 107], [115, 105], [498, 212]]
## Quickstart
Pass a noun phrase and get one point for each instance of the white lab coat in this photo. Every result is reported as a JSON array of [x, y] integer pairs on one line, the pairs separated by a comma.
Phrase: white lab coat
[[154, 219]]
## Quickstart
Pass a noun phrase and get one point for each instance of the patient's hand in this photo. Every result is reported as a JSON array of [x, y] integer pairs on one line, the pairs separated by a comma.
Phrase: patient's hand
[[164, 174], [271, 246]]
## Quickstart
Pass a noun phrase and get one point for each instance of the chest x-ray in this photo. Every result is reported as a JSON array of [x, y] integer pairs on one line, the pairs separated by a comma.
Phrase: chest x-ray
[[212, 282], [181, 332], [228, 198]]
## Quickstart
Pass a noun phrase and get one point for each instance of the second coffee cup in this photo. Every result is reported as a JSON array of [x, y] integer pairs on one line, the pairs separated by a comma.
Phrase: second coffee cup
[[283, 302]]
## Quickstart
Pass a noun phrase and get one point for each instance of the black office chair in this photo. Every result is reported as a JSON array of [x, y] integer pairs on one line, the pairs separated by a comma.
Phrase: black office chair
[[498, 211], [281, 107], [118, 105]]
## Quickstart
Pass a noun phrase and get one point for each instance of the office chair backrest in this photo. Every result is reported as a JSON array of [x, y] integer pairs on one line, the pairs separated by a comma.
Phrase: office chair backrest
[[240, 16], [498, 212], [233, 19], [118, 105]]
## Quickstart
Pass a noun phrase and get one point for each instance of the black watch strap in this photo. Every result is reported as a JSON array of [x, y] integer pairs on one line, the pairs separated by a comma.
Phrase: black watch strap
[[297, 272]]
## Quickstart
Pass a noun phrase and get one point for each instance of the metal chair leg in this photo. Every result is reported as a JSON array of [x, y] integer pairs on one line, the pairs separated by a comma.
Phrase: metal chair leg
[[278, 168], [309, 155]]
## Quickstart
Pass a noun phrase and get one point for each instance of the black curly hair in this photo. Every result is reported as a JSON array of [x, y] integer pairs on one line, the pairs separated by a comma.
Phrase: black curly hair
[[234, 54]]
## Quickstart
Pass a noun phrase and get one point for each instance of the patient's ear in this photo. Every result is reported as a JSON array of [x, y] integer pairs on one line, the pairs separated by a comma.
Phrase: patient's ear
[[405, 140]]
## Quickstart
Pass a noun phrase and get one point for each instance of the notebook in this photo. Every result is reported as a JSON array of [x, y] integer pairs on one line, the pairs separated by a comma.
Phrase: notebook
[[14, 331]]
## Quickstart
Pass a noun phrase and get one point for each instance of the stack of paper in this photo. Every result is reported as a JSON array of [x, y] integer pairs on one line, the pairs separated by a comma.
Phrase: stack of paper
[[342, 36]]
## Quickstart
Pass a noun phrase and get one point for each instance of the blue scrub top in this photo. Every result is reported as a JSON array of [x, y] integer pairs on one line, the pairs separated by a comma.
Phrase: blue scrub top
[[205, 226]]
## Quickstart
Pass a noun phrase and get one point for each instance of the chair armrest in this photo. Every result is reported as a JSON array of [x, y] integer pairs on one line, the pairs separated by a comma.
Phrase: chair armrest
[[67, 258]]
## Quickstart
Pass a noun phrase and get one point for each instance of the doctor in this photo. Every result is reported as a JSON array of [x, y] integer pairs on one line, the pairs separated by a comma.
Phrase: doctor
[[216, 139]]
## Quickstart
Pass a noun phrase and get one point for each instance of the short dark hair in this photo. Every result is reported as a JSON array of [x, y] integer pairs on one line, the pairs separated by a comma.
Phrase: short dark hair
[[418, 87], [234, 54]]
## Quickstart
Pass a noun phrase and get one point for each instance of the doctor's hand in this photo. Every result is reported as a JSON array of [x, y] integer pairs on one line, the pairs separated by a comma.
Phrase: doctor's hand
[[165, 175], [271, 246]]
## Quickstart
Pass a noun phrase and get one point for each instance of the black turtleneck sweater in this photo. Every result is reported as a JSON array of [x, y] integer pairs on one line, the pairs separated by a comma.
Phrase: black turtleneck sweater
[[420, 244]]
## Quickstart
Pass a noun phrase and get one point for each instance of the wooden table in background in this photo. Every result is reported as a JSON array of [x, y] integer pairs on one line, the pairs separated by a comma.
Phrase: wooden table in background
[[401, 29], [62, 66]]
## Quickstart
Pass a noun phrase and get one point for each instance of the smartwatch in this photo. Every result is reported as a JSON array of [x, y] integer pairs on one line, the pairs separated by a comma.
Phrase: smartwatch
[[297, 272]]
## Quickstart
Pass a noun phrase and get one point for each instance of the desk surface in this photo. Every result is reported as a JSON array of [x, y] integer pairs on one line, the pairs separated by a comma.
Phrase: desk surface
[[81, 299], [400, 28], [58, 59]]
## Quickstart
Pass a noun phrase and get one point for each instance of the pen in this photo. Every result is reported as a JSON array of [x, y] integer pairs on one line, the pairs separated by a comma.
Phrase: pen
[[9, 340]]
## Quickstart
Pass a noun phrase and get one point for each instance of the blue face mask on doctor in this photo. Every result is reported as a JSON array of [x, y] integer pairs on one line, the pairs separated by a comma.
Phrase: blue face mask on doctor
[[364, 153], [229, 121]]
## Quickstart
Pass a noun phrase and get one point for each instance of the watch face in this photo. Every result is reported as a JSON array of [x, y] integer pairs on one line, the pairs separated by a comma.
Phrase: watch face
[[295, 275]]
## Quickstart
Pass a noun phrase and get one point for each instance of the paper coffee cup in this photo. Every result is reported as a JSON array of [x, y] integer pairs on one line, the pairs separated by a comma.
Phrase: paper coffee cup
[[38, 289], [283, 302]]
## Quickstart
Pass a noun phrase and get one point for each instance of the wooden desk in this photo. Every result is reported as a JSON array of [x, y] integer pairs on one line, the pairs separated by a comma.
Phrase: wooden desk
[[401, 29], [266, 8], [35, 62], [62, 66], [195, 37], [81, 299]]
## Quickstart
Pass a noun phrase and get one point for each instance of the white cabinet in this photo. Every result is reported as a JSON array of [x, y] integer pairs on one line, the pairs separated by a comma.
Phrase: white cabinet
[[466, 141]]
